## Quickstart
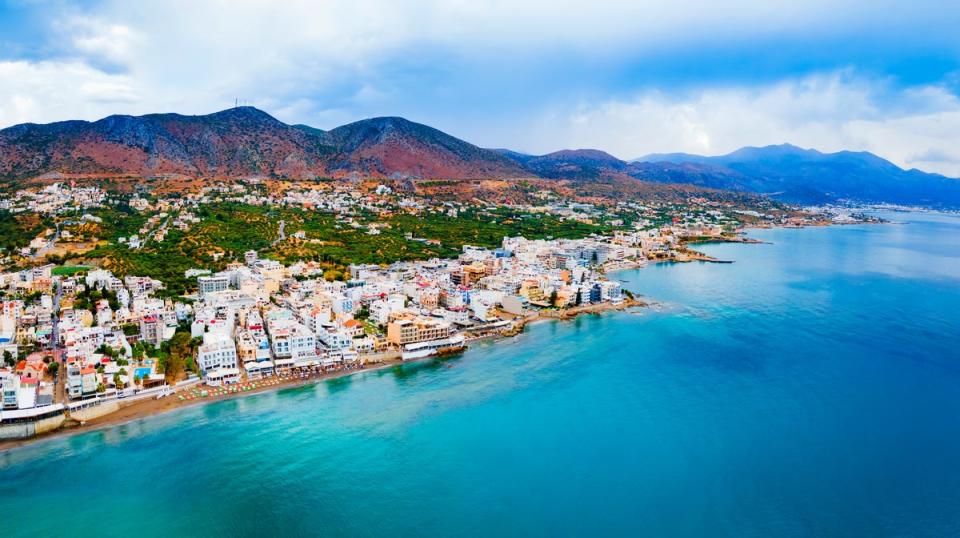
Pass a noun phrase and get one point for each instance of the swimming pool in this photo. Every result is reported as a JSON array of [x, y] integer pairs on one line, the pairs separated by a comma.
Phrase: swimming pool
[[141, 373]]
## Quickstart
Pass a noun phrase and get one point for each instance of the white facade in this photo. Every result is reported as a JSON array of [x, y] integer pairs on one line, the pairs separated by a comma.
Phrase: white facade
[[210, 284], [216, 352], [292, 340]]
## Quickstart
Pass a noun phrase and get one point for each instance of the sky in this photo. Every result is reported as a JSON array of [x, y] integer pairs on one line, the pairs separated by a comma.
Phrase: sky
[[627, 77]]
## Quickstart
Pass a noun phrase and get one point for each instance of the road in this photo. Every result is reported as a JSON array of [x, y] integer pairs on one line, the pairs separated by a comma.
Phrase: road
[[282, 234], [41, 251], [59, 394]]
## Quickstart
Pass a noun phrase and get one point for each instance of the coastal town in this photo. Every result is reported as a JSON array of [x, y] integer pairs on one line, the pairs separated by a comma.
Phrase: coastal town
[[81, 339]]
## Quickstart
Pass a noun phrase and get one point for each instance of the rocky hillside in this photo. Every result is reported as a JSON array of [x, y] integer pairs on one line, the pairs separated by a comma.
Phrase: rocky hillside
[[236, 142], [395, 147], [245, 141]]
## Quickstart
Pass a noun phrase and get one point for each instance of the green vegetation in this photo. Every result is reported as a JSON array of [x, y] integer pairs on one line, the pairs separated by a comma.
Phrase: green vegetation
[[487, 228], [131, 329], [87, 299], [174, 357], [227, 230], [17, 230], [69, 270], [108, 351], [119, 220]]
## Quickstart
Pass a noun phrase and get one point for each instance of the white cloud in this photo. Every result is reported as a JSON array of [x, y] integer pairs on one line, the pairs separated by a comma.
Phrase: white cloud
[[111, 45], [829, 112], [326, 63], [48, 91]]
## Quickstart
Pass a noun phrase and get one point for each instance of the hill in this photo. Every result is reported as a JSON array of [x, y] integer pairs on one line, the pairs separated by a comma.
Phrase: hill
[[395, 147], [802, 175], [234, 142], [241, 142], [245, 141]]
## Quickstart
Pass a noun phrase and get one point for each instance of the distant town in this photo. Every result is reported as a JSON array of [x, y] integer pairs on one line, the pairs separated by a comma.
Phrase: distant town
[[277, 283]]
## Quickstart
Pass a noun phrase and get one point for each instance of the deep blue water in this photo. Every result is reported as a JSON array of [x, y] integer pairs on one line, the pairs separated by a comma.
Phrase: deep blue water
[[810, 388]]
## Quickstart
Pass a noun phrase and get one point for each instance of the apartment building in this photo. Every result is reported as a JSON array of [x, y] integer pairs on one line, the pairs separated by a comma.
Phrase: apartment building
[[406, 329]]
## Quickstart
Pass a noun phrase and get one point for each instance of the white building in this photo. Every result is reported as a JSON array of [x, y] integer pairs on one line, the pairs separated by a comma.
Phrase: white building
[[217, 359], [210, 284], [334, 339], [292, 340]]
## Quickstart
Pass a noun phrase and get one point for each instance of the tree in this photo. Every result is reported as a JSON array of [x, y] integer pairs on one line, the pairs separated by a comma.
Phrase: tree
[[179, 355], [104, 349], [53, 367], [173, 367], [579, 300], [8, 358], [553, 298], [138, 351]]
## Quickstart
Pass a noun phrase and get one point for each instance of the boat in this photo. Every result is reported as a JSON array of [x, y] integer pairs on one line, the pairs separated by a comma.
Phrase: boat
[[443, 346]]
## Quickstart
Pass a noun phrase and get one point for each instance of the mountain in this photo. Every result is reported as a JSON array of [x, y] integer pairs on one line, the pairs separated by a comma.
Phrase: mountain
[[234, 142], [802, 175], [677, 158], [575, 164], [245, 141], [395, 147]]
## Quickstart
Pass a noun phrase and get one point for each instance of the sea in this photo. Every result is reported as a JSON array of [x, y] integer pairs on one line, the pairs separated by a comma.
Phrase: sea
[[810, 388]]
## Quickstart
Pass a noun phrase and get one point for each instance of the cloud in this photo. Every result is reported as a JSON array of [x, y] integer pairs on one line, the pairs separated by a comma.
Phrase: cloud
[[628, 76], [107, 45], [830, 112], [45, 91], [932, 155]]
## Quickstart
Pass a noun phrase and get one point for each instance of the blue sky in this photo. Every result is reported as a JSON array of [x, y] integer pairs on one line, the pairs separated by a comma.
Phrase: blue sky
[[628, 77]]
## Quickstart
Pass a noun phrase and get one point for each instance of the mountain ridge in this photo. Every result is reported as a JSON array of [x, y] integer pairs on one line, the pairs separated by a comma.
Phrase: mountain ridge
[[808, 175], [246, 141]]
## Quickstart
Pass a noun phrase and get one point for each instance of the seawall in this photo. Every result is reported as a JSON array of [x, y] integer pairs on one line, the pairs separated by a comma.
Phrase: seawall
[[94, 411], [25, 430]]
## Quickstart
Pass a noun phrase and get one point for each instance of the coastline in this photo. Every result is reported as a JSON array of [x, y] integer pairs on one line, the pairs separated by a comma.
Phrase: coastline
[[144, 409]]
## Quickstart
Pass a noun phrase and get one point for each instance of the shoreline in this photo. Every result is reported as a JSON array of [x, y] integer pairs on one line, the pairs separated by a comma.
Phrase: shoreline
[[147, 408], [143, 409]]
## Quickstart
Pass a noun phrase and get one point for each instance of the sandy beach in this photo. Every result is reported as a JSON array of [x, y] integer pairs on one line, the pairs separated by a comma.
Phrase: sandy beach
[[141, 409]]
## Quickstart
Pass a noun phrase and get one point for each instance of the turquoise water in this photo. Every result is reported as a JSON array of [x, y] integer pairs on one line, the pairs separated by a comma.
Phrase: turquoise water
[[810, 388]]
